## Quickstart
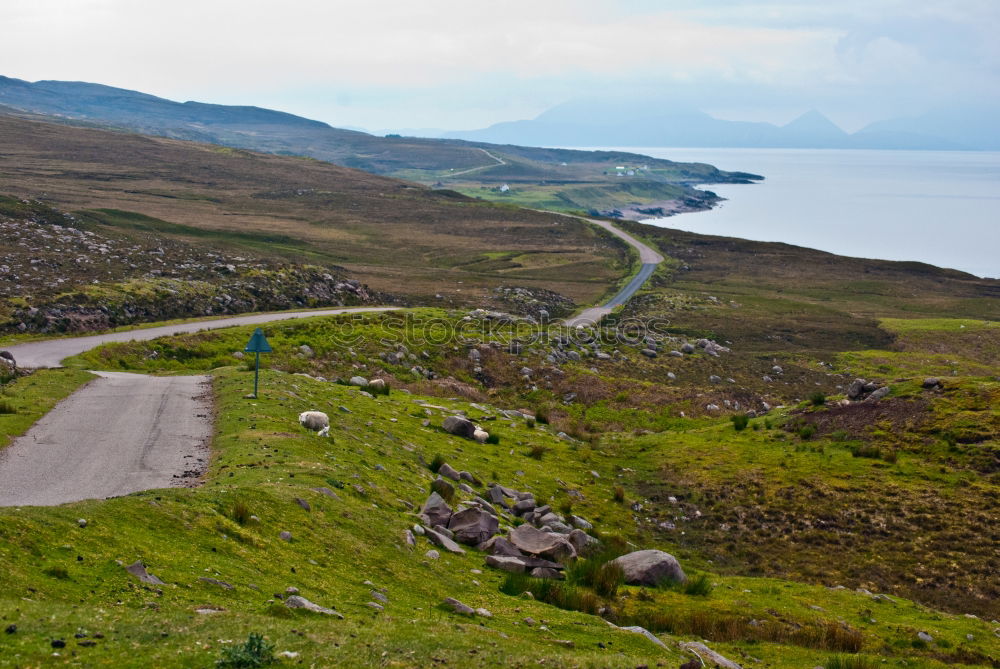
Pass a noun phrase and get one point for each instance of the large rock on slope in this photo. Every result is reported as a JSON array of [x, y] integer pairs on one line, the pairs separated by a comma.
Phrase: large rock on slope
[[462, 427], [441, 540], [544, 544], [499, 546], [473, 526], [436, 510], [650, 567]]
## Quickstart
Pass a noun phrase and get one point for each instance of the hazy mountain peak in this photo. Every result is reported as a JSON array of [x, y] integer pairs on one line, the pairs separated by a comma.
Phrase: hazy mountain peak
[[813, 121]]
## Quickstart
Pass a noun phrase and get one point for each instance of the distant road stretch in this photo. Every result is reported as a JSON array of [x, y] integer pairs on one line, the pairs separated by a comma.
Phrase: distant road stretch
[[650, 259], [123, 433], [52, 352]]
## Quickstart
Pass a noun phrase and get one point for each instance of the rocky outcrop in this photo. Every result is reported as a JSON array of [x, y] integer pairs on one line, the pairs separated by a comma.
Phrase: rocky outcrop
[[436, 511], [542, 544], [473, 526]]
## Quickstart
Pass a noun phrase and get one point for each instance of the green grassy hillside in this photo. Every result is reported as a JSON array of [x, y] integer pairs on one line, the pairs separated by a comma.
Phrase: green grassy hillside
[[349, 545]]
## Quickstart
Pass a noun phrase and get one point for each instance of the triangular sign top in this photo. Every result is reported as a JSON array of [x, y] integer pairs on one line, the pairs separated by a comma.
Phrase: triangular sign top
[[258, 343]]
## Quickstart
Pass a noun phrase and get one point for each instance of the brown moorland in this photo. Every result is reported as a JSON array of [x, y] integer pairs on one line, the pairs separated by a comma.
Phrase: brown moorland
[[395, 236]]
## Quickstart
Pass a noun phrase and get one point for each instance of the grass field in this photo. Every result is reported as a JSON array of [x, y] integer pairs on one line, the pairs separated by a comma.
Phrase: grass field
[[375, 465]]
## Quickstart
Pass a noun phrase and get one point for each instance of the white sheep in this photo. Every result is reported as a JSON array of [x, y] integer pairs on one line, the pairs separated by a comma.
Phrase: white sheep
[[315, 420]]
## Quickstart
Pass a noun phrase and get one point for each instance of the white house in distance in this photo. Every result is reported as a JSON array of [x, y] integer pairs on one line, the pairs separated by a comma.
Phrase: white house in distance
[[504, 188]]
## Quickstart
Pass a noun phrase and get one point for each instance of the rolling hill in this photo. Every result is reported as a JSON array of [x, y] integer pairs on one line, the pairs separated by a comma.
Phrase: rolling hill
[[429, 161]]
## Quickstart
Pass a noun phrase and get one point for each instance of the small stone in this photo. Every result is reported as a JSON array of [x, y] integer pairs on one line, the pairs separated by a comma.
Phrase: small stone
[[432, 554], [58, 643], [82, 522], [285, 535], [297, 602], [459, 607], [925, 637], [138, 570]]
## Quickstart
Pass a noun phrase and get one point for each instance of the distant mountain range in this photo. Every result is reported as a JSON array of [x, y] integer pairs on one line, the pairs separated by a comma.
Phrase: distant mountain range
[[266, 130], [663, 123]]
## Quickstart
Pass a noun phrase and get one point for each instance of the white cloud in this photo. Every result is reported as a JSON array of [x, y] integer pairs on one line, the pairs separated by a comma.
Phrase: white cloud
[[368, 62]]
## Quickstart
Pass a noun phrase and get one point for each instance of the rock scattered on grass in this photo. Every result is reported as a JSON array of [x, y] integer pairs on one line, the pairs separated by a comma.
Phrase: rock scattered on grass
[[299, 602], [138, 570], [459, 607], [650, 567], [707, 655]]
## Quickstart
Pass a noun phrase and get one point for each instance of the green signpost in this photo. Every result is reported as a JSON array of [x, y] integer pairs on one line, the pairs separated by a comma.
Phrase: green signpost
[[257, 345]]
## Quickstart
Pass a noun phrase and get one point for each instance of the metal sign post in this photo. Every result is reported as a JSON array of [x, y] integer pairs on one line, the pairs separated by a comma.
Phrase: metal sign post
[[257, 345]]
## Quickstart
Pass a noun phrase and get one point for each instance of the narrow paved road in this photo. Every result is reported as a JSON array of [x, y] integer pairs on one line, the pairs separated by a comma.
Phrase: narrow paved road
[[650, 259], [120, 433], [52, 352]]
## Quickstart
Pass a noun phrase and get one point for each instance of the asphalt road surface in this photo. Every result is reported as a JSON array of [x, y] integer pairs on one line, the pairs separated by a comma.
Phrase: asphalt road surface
[[120, 433], [650, 259], [51, 353]]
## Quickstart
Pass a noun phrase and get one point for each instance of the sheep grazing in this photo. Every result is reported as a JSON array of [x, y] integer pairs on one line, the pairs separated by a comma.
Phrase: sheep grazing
[[316, 421]]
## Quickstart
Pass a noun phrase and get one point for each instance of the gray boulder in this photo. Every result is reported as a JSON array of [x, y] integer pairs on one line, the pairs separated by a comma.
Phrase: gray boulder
[[467, 476], [138, 570], [299, 602], [546, 572], [519, 565], [650, 567], [559, 527], [547, 519], [543, 544], [648, 352], [442, 541], [878, 394], [687, 348], [931, 382], [582, 541], [450, 472], [462, 427], [359, 381], [499, 546], [856, 388], [457, 606], [705, 653], [524, 506], [495, 495], [473, 526], [436, 510]]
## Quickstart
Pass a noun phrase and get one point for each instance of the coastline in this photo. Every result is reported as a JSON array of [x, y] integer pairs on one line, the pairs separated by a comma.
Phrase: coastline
[[666, 208]]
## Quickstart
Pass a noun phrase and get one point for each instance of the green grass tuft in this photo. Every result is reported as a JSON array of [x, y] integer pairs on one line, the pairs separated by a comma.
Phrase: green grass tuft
[[254, 652]]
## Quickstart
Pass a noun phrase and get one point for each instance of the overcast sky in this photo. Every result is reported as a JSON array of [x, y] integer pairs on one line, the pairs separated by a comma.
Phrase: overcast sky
[[462, 64]]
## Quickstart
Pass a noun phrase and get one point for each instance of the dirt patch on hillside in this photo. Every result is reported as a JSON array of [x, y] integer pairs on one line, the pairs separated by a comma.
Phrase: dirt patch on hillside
[[858, 419]]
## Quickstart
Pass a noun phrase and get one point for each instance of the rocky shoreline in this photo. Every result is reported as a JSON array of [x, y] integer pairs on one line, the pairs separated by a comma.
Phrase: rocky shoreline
[[667, 208]]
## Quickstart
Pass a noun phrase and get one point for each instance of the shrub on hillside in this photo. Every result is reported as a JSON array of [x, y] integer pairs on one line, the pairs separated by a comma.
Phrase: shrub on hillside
[[240, 512], [740, 421], [254, 652]]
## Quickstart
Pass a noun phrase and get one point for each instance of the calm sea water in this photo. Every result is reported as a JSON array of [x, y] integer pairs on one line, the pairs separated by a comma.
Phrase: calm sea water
[[938, 207]]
